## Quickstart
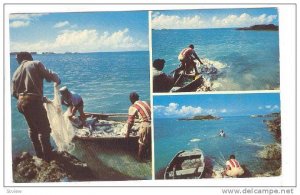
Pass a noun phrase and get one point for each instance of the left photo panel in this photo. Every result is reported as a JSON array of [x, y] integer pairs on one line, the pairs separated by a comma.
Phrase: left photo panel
[[80, 104]]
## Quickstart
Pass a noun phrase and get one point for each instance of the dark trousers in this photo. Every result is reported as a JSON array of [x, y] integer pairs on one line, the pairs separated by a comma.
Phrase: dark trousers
[[39, 126]]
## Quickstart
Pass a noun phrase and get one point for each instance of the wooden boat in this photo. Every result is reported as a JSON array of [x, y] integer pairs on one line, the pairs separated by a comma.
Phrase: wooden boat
[[187, 82], [187, 164], [191, 82], [105, 128]]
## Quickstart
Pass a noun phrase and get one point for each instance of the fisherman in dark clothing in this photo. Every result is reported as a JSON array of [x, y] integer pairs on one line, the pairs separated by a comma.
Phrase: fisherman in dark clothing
[[161, 82], [27, 88]]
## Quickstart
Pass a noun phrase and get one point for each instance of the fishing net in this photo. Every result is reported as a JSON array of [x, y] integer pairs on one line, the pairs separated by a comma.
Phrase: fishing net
[[62, 129]]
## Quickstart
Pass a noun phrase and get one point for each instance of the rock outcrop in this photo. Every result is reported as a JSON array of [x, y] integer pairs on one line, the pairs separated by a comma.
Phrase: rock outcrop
[[276, 172], [63, 167], [271, 152], [275, 127]]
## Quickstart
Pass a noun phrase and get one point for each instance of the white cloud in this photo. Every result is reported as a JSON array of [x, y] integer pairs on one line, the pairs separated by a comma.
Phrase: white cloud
[[22, 20], [155, 14], [161, 21], [18, 24], [87, 40], [24, 16], [176, 22], [275, 107], [61, 24], [242, 20], [269, 107], [173, 109], [223, 110]]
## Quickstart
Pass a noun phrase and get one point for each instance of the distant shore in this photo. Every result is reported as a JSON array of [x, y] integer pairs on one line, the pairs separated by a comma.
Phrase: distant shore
[[263, 27], [274, 114], [200, 117]]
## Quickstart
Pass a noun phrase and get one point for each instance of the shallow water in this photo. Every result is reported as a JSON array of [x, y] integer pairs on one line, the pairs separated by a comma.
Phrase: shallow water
[[245, 136], [104, 80]]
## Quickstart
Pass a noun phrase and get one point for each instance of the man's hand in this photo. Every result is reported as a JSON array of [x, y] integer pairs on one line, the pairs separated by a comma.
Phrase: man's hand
[[46, 100]]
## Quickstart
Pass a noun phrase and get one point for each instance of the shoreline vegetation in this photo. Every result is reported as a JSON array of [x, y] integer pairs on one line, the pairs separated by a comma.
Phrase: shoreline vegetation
[[262, 27], [200, 117]]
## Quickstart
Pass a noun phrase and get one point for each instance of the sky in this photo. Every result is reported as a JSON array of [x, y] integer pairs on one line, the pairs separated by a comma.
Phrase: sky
[[215, 104], [213, 18], [79, 32]]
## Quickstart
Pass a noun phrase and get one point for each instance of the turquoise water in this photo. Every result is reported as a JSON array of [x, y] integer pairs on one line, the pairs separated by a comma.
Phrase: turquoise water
[[244, 137], [104, 80], [251, 57]]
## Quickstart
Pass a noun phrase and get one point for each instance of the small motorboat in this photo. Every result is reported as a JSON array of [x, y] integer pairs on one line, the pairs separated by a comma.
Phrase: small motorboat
[[187, 164]]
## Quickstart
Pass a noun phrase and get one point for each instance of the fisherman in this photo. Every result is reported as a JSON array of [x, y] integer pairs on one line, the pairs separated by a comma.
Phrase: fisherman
[[222, 133], [161, 82], [74, 103], [27, 88], [187, 57], [233, 168], [142, 111]]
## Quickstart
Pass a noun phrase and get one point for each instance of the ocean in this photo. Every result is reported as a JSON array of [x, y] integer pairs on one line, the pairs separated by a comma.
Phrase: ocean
[[245, 136], [104, 80], [247, 60]]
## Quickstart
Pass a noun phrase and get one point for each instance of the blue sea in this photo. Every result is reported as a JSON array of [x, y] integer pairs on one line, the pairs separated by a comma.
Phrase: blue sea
[[245, 136], [248, 60], [104, 80]]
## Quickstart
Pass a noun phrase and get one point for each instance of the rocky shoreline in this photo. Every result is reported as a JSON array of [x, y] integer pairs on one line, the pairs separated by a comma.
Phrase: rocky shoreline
[[63, 167], [272, 152]]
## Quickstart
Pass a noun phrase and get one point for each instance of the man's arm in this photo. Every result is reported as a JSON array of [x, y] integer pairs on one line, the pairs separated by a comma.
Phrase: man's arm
[[130, 120], [129, 126], [48, 74], [63, 101], [197, 58], [13, 89]]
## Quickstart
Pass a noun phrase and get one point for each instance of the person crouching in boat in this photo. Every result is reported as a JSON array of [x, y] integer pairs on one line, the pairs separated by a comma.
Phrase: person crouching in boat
[[187, 57], [142, 111], [74, 103], [233, 167], [161, 82]]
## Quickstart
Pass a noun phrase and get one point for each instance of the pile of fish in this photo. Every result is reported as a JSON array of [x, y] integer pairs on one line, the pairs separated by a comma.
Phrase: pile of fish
[[104, 129]]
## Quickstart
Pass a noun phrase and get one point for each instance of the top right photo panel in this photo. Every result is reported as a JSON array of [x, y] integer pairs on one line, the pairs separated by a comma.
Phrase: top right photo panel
[[215, 50]]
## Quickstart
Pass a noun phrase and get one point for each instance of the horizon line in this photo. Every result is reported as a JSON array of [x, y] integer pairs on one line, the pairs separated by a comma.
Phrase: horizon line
[[209, 28], [68, 52]]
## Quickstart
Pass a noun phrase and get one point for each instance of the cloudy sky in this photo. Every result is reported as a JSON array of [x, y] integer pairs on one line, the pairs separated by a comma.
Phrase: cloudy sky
[[215, 104], [79, 32], [213, 18]]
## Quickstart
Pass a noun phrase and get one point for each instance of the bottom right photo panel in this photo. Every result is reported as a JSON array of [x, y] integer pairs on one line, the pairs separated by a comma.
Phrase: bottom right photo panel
[[217, 135]]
